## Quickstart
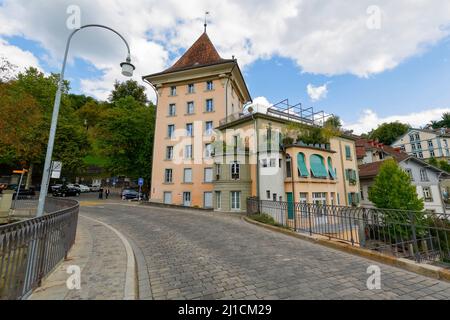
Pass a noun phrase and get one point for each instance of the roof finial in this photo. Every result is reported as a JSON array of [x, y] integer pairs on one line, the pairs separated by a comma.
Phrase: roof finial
[[206, 21]]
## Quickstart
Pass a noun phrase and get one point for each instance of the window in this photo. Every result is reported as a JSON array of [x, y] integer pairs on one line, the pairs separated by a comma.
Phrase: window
[[208, 175], [413, 146], [168, 176], [318, 166], [427, 194], [235, 170], [332, 197], [280, 162], [432, 154], [209, 85], [208, 128], [218, 200], [348, 153], [303, 197], [319, 198], [208, 150], [423, 175], [209, 105], [362, 194], [411, 138], [172, 109], [402, 148], [207, 200], [419, 146], [301, 165], [188, 152], [430, 144], [350, 175], [173, 91], [273, 163], [170, 131], [264, 163], [169, 153], [331, 170], [421, 155], [187, 178], [417, 137], [190, 107], [218, 171], [288, 167], [274, 197], [268, 194], [191, 88], [235, 200], [167, 197], [189, 129], [409, 172]]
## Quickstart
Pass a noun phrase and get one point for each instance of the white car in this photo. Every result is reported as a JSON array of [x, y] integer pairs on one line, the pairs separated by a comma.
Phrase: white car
[[83, 188]]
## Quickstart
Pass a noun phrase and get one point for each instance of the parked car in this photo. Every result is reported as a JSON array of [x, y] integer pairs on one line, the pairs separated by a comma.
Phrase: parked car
[[94, 187], [130, 194], [54, 187], [83, 188], [66, 191]]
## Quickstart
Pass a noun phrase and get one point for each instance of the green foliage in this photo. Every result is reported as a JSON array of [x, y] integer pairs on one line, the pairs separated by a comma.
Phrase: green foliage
[[126, 89], [392, 189], [441, 164], [333, 122], [310, 134], [266, 219], [443, 123], [387, 133]]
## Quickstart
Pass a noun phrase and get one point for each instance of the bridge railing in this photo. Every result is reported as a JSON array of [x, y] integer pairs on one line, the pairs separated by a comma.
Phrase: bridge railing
[[421, 236], [31, 249]]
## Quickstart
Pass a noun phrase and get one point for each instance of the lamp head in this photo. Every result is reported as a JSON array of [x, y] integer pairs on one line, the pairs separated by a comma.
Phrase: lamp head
[[127, 68]]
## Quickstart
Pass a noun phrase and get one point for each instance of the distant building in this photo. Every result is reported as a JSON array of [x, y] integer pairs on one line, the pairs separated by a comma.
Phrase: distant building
[[429, 181], [425, 143]]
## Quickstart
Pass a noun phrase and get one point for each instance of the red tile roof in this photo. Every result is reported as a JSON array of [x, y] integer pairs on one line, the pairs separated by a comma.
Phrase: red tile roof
[[201, 53], [369, 170]]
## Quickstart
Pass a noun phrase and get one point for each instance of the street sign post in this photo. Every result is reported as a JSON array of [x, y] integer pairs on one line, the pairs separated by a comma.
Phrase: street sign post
[[56, 169], [140, 183], [21, 172]]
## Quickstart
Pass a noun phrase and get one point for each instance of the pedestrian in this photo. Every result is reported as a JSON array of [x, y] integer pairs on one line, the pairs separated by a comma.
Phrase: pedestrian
[[100, 194], [107, 193]]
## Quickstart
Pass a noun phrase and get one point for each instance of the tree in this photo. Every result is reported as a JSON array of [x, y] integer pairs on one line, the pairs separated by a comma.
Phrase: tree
[[126, 138], [129, 88], [392, 189], [333, 122], [443, 123], [387, 133]]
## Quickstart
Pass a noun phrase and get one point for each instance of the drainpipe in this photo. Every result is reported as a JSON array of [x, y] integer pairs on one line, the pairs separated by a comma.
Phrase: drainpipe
[[258, 193], [226, 92], [343, 173]]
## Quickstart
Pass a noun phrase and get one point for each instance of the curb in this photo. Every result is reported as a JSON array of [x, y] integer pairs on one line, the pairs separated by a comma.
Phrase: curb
[[425, 270], [130, 274], [143, 278]]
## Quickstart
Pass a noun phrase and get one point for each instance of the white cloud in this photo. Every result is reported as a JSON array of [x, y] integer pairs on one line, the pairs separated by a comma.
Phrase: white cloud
[[371, 120], [317, 93], [18, 57], [323, 37]]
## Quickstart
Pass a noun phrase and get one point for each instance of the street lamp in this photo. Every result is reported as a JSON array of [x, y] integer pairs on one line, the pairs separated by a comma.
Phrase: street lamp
[[127, 70]]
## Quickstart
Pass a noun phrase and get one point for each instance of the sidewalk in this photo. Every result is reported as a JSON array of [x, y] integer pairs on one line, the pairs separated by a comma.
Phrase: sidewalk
[[102, 257]]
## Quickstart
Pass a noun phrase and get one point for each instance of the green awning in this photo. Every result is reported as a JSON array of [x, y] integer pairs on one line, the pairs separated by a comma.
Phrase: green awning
[[318, 166], [330, 169], [302, 169]]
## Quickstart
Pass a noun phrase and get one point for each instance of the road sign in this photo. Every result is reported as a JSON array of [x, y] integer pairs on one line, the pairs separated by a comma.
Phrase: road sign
[[141, 182], [56, 169], [20, 171]]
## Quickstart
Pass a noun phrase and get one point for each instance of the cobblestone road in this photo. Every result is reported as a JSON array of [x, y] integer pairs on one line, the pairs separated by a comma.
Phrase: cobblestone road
[[190, 255]]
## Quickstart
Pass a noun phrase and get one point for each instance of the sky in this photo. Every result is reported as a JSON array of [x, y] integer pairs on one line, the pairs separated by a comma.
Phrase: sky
[[367, 61]]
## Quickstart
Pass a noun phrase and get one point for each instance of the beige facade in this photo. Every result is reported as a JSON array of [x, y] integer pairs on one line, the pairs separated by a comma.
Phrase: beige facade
[[193, 97]]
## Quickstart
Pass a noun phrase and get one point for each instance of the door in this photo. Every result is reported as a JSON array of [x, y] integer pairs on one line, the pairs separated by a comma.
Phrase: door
[[208, 201], [186, 199], [290, 205]]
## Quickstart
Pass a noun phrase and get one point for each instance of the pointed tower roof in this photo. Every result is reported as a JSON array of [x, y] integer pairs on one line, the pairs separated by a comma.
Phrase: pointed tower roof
[[201, 53]]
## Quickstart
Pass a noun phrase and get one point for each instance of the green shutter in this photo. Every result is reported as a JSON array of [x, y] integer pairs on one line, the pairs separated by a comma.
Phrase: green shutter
[[350, 199], [330, 169], [348, 152], [302, 169], [318, 166]]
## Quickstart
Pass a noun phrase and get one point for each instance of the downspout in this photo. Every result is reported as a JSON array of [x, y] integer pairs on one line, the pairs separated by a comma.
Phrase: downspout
[[258, 193], [226, 92], [343, 173], [156, 122]]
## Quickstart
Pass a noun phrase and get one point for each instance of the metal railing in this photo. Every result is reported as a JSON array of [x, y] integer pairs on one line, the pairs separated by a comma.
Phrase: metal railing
[[31, 249], [421, 236]]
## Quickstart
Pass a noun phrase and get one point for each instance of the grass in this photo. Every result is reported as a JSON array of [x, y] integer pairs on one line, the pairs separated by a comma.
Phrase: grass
[[266, 219]]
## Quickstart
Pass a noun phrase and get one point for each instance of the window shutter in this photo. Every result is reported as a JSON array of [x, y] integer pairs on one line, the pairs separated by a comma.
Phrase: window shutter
[[303, 170], [318, 166]]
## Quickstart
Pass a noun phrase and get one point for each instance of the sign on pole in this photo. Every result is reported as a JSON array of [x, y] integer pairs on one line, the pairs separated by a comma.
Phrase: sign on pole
[[56, 169], [141, 182]]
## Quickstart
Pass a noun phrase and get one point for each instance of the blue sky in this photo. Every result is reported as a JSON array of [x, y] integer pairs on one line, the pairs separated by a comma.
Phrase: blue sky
[[397, 71]]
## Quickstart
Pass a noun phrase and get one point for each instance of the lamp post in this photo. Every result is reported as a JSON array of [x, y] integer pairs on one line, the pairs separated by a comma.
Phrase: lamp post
[[127, 70]]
